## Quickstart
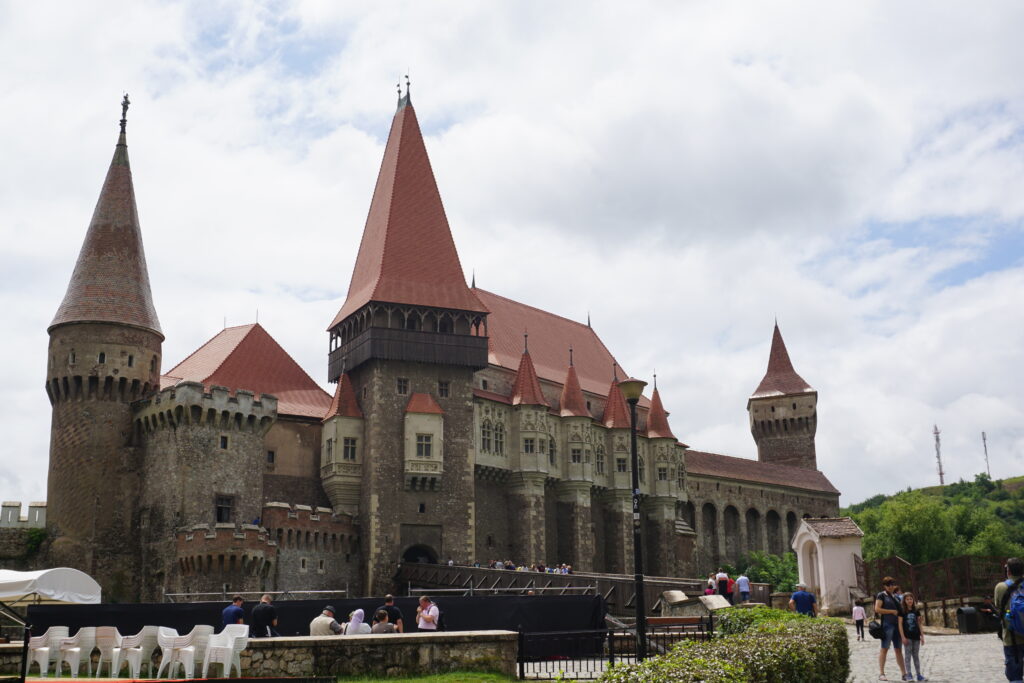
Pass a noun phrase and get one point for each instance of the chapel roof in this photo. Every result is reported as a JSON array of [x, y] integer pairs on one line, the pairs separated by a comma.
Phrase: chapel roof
[[616, 412], [780, 379], [834, 527], [110, 282], [657, 419], [572, 402], [744, 469], [526, 388], [247, 357]]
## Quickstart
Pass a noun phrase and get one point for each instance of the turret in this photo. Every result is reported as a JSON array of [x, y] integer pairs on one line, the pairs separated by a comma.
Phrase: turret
[[783, 412], [104, 353]]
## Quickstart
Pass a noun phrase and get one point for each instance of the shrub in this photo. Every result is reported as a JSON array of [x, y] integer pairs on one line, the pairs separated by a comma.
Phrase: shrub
[[761, 646]]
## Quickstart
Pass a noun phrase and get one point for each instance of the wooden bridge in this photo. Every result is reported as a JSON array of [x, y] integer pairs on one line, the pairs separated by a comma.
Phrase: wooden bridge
[[618, 590]]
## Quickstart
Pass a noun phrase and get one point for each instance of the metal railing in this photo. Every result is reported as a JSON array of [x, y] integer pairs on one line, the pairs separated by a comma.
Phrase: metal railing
[[471, 590], [254, 595]]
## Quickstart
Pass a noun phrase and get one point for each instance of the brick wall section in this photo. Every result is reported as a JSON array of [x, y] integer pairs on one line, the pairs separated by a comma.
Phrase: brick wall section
[[314, 535], [295, 473]]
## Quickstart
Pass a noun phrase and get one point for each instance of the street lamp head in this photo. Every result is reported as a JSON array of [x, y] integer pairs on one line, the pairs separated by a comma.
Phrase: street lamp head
[[632, 389]]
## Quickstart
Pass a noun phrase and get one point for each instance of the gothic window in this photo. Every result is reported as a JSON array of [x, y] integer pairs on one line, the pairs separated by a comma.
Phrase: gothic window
[[443, 389], [348, 449], [528, 445], [620, 464], [679, 477], [402, 386], [223, 442], [71, 358], [222, 507], [575, 454], [271, 456], [424, 445], [543, 446], [499, 439], [641, 470], [444, 325], [662, 474], [330, 450], [599, 461], [485, 437], [483, 384], [103, 357], [131, 360]]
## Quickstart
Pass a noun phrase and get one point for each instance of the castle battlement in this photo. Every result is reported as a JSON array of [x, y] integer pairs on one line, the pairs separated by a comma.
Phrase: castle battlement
[[225, 550], [11, 517], [188, 403]]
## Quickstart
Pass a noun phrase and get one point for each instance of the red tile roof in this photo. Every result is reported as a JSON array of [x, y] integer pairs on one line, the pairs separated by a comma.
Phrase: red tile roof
[[407, 254], [550, 338], [526, 388], [423, 403], [572, 402], [781, 378], [344, 403], [742, 469], [492, 396], [247, 357], [616, 412], [657, 419], [110, 282]]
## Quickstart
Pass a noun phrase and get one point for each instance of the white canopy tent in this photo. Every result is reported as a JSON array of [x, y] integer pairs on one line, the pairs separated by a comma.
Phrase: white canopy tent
[[60, 584]]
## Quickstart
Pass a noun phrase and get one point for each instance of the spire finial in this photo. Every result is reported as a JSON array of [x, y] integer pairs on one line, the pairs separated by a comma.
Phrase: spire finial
[[615, 371], [570, 356], [344, 362], [526, 341], [398, 87], [588, 318], [124, 111], [473, 285], [407, 86], [655, 379]]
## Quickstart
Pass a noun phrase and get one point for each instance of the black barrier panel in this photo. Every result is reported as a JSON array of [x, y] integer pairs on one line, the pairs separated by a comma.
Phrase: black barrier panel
[[478, 613]]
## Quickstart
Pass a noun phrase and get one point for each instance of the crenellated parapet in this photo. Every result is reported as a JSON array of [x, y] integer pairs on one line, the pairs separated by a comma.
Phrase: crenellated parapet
[[11, 517], [225, 550], [189, 404], [312, 528]]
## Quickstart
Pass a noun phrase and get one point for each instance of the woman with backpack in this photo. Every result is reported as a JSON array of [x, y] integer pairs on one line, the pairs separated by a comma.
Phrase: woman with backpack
[[911, 635], [1009, 599]]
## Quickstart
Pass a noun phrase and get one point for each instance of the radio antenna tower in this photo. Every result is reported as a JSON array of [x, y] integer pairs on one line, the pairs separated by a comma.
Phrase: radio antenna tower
[[984, 444], [938, 455]]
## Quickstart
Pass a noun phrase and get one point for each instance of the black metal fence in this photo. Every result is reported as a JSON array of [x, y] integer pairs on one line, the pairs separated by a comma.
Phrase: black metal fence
[[585, 655]]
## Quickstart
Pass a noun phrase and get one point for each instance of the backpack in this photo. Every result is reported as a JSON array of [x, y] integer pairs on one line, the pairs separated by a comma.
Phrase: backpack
[[442, 625], [1012, 607]]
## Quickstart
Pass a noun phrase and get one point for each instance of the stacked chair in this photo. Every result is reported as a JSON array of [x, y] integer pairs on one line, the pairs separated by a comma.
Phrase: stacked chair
[[45, 649], [76, 648], [225, 649], [108, 639], [136, 650], [184, 650]]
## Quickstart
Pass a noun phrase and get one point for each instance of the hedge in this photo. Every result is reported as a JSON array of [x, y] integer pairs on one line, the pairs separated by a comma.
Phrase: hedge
[[756, 645]]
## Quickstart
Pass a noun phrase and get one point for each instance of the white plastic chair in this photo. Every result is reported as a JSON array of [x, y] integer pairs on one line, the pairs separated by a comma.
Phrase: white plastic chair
[[225, 649], [166, 639], [108, 639], [45, 649], [76, 648], [135, 650], [184, 650]]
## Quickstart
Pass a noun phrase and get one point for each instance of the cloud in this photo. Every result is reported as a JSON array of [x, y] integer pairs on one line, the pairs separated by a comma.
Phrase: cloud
[[683, 172]]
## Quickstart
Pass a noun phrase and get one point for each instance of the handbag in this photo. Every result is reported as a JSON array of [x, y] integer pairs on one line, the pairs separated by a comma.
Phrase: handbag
[[875, 629]]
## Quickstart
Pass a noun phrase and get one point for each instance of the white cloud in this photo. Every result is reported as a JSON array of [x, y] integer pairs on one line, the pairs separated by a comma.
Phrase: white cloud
[[740, 158]]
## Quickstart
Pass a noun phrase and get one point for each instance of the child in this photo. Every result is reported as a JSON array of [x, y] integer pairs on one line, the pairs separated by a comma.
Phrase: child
[[858, 620], [910, 632]]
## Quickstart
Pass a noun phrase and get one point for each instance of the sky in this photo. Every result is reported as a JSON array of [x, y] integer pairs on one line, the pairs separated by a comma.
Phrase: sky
[[685, 173]]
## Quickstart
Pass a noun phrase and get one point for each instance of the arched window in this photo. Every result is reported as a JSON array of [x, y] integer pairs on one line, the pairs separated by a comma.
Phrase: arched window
[[499, 439], [599, 460], [485, 436], [641, 469]]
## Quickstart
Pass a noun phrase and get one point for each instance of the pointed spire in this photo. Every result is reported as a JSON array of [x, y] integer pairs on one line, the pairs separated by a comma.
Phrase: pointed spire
[[657, 419], [588, 318], [526, 388], [473, 285], [616, 413], [526, 341], [344, 403], [110, 282], [572, 402], [407, 255], [615, 372], [781, 378]]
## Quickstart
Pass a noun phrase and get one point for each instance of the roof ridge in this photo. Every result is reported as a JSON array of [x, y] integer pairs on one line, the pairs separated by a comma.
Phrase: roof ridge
[[540, 310]]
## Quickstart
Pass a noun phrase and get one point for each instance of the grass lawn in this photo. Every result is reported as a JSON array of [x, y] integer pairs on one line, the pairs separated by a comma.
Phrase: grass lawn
[[456, 677]]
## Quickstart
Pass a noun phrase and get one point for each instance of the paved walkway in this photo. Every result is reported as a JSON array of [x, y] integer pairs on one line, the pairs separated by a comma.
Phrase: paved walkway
[[944, 659]]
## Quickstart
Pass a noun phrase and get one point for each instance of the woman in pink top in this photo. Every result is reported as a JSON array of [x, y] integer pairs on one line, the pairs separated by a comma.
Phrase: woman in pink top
[[858, 620]]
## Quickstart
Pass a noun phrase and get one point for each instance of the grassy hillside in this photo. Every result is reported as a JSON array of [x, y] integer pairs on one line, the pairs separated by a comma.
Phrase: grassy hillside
[[981, 517]]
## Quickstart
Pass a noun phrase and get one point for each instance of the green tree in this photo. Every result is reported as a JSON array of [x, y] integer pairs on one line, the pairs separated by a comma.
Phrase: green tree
[[778, 570]]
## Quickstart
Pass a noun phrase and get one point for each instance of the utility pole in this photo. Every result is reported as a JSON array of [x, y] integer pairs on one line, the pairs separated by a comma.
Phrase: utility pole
[[984, 444], [938, 455]]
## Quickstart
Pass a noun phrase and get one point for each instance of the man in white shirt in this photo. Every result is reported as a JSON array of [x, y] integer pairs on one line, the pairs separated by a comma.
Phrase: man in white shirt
[[743, 585], [427, 614]]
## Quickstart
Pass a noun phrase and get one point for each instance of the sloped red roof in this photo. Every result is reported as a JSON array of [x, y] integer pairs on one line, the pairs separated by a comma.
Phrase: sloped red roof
[[743, 469], [407, 254], [247, 357], [110, 282], [657, 419], [616, 412], [572, 402], [550, 338], [344, 403], [423, 403], [492, 396], [526, 388], [781, 378], [834, 527]]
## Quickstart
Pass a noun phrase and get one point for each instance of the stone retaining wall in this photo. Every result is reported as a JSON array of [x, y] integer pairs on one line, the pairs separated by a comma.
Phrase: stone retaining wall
[[10, 659], [408, 654]]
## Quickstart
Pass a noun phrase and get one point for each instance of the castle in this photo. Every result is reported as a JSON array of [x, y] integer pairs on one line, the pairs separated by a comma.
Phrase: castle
[[450, 433]]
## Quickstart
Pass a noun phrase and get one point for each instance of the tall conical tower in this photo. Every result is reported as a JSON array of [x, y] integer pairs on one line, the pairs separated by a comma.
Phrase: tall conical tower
[[104, 353], [784, 412], [410, 336]]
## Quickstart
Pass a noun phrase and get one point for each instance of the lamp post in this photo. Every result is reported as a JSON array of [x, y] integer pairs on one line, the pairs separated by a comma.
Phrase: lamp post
[[631, 390]]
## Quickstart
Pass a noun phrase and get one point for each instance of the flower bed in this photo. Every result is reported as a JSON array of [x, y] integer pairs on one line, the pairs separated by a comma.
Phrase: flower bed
[[759, 645]]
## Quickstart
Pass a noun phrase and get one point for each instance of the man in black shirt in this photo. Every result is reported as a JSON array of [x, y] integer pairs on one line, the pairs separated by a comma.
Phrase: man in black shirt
[[394, 614], [264, 619]]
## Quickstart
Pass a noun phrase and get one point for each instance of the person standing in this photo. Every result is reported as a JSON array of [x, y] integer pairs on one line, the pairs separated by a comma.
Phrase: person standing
[[264, 619], [888, 608], [325, 624], [858, 620], [394, 614], [722, 579], [743, 584], [911, 635], [1013, 642], [427, 615], [233, 613], [803, 602]]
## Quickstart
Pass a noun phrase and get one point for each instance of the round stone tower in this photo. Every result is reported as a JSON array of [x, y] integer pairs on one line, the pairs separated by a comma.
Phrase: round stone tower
[[104, 353]]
